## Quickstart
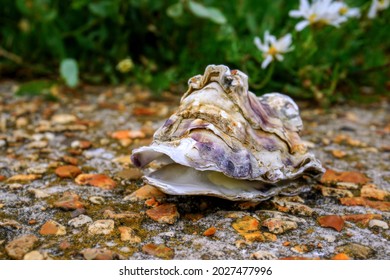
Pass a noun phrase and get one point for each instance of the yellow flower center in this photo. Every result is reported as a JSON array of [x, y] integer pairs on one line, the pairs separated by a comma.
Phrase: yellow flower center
[[343, 10], [312, 18], [272, 51]]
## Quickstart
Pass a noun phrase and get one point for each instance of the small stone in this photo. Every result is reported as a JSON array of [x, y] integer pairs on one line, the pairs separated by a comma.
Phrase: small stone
[[10, 223], [81, 144], [97, 180], [63, 119], [33, 255], [332, 221], [361, 201], [165, 213], [69, 201], [125, 160], [332, 176], [302, 248], [101, 227], [21, 122], [80, 221], [334, 192], [98, 200], [131, 134], [347, 186], [279, 226], [37, 145], [378, 223], [282, 204], [346, 139], [128, 234], [362, 219], [97, 254], [299, 258], [75, 152], [67, 171], [248, 227], [144, 193], [52, 228], [2, 178], [98, 153], [126, 217], [371, 191], [246, 205], [145, 111], [151, 202], [329, 238], [210, 231], [240, 243], [39, 193], [130, 174], [70, 160], [15, 186], [120, 134], [194, 217], [338, 153], [18, 247], [40, 169], [125, 142], [356, 251], [340, 256], [64, 245], [77, 212], [262, 255], [246, 224], [160, 251], [24, 178]]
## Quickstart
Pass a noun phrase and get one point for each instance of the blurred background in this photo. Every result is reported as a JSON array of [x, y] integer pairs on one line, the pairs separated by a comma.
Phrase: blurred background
[[161, 44]]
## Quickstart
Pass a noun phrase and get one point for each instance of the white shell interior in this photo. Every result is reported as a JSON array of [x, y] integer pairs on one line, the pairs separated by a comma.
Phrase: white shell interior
[[177, 179]]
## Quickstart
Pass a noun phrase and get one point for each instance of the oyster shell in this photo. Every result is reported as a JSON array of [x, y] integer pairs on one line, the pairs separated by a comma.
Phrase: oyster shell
[[225, 141]]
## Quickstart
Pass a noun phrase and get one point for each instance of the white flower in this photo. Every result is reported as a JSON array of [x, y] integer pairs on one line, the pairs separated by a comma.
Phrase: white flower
[[273, 49], [320, 12], [377, 5], [348, 12]]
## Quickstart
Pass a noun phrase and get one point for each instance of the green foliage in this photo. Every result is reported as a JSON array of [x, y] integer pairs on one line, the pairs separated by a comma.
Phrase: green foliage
[[38, 87], [170, 41]]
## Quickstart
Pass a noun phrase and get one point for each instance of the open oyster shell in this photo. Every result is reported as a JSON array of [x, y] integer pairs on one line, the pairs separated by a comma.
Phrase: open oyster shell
[[225, 141]]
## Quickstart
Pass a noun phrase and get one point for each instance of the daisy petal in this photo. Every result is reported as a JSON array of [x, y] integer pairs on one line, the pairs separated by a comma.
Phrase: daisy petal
[[259, 45], [304, 5], [373, 9], [279, 57], [301, 25], [284, 42], [266, 61], [295, 13]]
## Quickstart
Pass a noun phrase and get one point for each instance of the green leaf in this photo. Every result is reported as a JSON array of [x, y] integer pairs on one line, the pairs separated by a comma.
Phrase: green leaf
[[69, 72], [175, 10], [103, 8], [34, 88], [210, 13]]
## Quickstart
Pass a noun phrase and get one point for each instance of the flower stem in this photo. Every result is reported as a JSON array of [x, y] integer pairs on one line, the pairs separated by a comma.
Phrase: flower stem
[[266, 78]]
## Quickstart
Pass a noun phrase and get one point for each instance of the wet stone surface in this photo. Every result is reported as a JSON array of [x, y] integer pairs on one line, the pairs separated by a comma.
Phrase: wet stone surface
[[68, 189]]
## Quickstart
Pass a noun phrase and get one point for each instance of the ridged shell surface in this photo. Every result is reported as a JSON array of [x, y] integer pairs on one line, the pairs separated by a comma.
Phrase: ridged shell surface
[[225, 141]]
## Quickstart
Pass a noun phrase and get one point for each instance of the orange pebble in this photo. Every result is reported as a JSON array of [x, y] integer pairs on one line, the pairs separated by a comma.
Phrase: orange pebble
[[210, 231], [341, 256]]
